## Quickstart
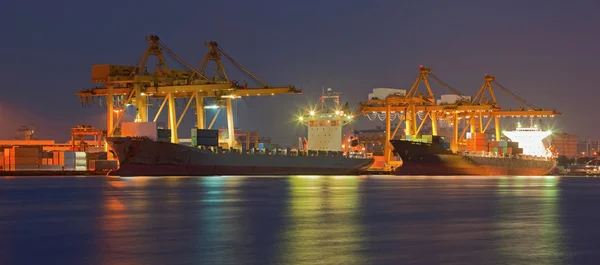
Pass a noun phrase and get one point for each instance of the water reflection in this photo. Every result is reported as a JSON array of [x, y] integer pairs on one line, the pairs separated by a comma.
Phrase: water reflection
[[305, 220], [322, 222], [214, 221], [527, 223], [118, 222]]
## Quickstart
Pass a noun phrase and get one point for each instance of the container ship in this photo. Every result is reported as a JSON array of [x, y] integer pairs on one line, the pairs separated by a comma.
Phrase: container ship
[[498, 158], [141, 154]]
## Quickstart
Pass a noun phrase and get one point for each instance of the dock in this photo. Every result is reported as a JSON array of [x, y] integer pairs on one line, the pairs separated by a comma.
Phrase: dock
[[35, 173]]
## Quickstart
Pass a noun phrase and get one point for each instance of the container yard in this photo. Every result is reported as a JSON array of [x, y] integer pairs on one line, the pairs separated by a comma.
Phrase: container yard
[[34, 160]]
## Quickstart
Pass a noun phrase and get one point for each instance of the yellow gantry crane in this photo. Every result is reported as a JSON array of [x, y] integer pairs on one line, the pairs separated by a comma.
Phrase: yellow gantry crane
[[137, 85], [477, 112]]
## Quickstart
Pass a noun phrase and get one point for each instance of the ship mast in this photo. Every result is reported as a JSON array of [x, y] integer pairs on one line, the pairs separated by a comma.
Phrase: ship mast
[[335, 96]]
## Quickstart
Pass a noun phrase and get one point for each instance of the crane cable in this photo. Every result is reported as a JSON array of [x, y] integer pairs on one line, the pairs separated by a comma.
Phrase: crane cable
[[515, 96], [461, 95], [172, 55], [255, 78], [179, 60]]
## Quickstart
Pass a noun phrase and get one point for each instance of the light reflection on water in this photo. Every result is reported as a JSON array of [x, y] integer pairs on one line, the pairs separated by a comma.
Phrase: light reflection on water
[[529, 230], [300, 220], [322, 213]]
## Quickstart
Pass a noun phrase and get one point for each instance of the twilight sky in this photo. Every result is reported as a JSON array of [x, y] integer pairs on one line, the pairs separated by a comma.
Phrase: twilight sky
[[544, 51]]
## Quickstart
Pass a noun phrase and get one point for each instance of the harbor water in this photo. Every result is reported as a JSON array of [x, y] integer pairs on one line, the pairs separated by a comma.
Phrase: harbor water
[[299, 220]]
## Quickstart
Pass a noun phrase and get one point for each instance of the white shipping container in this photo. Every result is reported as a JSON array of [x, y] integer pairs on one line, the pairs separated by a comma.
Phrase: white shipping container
[[138, 129], [80, 168]]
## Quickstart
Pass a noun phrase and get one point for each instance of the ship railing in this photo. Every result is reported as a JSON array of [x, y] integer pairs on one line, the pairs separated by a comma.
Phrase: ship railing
[[290, 152], [503, 155]]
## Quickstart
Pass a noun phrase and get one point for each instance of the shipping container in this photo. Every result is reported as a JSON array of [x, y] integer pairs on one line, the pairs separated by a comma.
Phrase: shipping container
[[140, 129], [22, 167], [25, 160], [50, 168], [479, 136], [164, 133], [102, 165], [204, 137], [25, 151]]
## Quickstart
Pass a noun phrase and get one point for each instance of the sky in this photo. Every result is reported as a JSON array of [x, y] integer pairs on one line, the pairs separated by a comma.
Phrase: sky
[[544, 51]]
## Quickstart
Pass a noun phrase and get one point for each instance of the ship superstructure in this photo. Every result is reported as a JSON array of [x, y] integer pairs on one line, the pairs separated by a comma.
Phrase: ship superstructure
[[530, 139], [325, 123]]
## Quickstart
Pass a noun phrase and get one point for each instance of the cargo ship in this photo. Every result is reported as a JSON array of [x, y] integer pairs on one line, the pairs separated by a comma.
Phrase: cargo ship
[[434, 157], [142, 156]]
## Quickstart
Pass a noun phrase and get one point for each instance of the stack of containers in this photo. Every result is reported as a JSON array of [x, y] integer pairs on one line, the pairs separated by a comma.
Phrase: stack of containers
[[492, 145], [24, 158], [503, 147], [2, 160], [427, 138], [74, 161], [164, 135], [6, 161], [478, 142], [58, 157], [513, 148], [102, 165], [204, 137], [80, 161], [47, 158], [68, 160]]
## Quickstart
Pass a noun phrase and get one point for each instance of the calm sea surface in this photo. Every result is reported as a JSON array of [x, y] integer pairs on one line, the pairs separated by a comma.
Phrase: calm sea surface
[[300, 220]]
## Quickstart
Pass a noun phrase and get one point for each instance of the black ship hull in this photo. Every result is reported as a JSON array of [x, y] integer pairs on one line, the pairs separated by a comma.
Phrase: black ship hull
[[430, 159]]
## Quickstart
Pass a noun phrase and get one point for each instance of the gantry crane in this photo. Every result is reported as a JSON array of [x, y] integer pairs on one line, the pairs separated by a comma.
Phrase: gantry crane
[[474, 110], [136, 85]]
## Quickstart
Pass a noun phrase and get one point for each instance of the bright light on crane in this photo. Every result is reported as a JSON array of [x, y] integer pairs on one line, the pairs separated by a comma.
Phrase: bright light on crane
[[312, 113], [211, 107], [231, 96], [301, 118]]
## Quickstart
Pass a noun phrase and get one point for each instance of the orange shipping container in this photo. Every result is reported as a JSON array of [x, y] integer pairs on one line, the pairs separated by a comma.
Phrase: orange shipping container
[[24, 161], [25, 151], [478, 136]]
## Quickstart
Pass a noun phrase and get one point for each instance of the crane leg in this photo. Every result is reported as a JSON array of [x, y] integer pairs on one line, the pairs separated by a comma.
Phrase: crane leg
[[172, 118], [200, 111], [230, 128]]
